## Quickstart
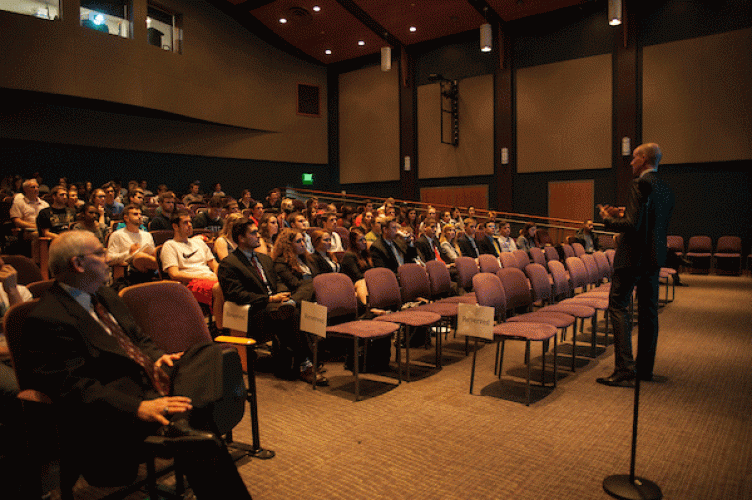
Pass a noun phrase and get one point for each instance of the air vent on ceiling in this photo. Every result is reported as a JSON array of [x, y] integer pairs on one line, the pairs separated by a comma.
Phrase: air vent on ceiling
[[299, 14]]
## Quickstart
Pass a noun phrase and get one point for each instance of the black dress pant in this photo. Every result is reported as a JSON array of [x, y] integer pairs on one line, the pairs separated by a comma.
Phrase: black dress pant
[[624, 282]]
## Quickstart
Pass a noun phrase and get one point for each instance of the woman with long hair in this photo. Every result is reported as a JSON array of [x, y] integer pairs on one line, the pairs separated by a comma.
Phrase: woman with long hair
[[526, 241], [224, 244], [410, 220], [268, 230], [292, 262], [323, 258], [448, 247], [356, 261], [90, 222]]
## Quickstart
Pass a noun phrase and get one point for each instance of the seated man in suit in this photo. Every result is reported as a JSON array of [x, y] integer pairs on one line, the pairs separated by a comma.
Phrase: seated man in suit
[[484, 237], [248, 277], [389, 251], [466, 240], [428, 244], [112, 385], [505, 241]]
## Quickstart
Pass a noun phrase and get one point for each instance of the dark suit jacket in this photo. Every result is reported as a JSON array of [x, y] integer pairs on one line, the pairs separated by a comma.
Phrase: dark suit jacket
[[486, 245], [424, 248], [381, 256], [350, 267], [241, 283], [97, 385], [644, 225], [463, 241]]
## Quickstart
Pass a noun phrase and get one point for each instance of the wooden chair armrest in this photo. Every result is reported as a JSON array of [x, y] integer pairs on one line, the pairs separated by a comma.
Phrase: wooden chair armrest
[[34, 396], [227, 339]]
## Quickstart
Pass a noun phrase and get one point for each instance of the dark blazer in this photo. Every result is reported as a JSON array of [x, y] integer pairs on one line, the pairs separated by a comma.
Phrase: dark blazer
[[350, 267], [97, 385], [463, 241], [320, 263], [300, 289], [486, 245], [424, 248], [644, 225], [381, 256], [241, 283]]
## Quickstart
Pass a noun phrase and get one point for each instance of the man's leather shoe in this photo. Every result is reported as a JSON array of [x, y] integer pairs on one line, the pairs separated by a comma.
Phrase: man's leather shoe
[[180, 432], [307, 376], [618, 379]]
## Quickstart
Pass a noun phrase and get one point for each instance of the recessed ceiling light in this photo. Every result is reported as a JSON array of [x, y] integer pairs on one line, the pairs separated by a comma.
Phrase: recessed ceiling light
[[328, 52], [361, 42], [316, 8], [413, 29], [282, 20]]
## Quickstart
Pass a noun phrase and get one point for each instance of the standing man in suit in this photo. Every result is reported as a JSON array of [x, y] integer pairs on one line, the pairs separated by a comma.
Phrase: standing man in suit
[[640, 255], [387, 251], [112, 385], [248, 277], [466, 240]]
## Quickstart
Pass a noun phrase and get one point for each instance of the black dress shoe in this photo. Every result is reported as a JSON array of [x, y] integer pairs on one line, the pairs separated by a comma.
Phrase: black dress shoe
[[618, 379], [180, 432]]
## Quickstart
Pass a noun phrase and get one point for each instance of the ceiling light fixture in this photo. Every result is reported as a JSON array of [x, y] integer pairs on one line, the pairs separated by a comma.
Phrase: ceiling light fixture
[[486, 34], [614, 12], [413, 29], [328, 52], [316, 8], [361, 42], [282, 20], [386, 58]]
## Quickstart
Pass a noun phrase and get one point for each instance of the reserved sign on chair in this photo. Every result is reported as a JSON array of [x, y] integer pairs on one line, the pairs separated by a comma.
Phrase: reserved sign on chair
[[475, 321], [313, 318]]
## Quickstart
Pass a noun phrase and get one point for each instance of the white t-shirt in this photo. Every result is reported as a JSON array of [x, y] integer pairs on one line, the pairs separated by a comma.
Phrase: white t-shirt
[[190, 257], [119, 245]]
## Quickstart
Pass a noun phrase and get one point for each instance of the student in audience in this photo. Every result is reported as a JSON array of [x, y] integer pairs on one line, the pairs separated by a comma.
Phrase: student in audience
[[193, 195], [257, 211], [163, 216], [11, 293], [329, 224], [323, 257], [73, 199], [224, 244], [273, 200], [346, 221], [58, 217], [356, 261], [246, 201], [457, 219], [487, 244], [113, 207], [448, 244], [390, 252], [587, 238], [133, 246], [187, 259], [98, 199], [466, 240], [428, 244], [231, 207], [411, 220], [376, 225], [294, 265], [217, 190], [446, 218], [506, 242], [27, 205], [90, 222], [211, 218], [268, 231], [526, 241], [367, 207]]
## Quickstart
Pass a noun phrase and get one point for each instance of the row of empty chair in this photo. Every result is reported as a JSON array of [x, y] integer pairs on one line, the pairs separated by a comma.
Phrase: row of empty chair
[[726, 258]]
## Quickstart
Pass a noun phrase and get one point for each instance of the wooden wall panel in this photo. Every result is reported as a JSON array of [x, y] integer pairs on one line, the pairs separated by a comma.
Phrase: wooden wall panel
[[698, 98], [369, 126], [564, 115], [571, 200], [474, 153]]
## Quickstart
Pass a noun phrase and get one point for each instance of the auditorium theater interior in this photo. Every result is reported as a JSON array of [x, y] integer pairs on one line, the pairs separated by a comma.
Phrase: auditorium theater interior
[[469, 146]]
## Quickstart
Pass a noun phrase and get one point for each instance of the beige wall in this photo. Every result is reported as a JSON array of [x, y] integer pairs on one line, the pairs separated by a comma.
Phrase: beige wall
[[564, 115], [225, 75], [698, 98], [369, 126], [474, 153]]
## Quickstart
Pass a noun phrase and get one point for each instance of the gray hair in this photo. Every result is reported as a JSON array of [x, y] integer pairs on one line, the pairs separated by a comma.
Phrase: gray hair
[[67, 245]]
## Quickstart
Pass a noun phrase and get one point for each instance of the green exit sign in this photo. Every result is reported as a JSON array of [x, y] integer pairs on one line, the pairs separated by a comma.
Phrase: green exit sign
[[307, 179]]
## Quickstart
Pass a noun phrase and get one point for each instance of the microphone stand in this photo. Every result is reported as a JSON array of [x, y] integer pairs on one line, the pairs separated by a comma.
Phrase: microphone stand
[[630, 487]]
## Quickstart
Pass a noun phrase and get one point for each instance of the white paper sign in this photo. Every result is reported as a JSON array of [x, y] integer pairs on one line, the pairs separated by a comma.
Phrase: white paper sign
[[313, 318], [475, 321], [235, 316]]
